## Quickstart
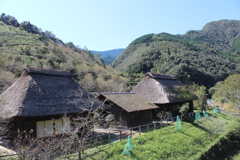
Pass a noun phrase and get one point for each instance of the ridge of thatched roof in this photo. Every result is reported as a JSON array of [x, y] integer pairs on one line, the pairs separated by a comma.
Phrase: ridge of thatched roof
[[51, 72], [128, 101], [39, 94], [159, 76], [162, 89]]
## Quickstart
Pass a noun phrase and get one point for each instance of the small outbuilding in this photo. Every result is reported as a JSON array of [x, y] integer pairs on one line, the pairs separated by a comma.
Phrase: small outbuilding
[[164, 91], [39, 99], [129, 109]]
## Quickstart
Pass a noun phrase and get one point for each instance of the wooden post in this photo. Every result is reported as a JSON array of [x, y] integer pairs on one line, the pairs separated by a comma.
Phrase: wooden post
[[120, 134], [109, 137], [23, 155], [139, 129], [154, 126], [79, 155], [131, 132], [147, 127]]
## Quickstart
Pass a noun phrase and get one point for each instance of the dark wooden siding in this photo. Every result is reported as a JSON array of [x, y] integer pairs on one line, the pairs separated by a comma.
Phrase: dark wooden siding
[[130, 119], [139, 117]]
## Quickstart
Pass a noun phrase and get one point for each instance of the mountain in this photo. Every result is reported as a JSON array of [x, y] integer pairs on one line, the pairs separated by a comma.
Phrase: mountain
[[24, 44], [223, 35], [109, 56], [203, 57]]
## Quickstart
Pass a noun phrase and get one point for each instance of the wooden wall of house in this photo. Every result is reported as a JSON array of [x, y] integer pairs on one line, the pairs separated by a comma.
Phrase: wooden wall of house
[[119, 113], [27, 123], [21, 124], [130, 119], [123, 117], [139, 117]]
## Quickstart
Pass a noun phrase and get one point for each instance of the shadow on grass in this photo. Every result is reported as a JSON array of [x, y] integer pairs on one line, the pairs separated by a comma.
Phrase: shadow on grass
[[233, 154]]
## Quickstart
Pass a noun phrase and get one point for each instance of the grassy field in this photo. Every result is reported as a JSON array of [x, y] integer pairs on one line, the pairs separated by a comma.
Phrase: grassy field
[[167, 143]]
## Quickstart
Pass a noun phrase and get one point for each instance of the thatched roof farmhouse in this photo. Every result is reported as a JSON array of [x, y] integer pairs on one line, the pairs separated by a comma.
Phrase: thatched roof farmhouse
[[165, 91], [128, 108], [40, 95]]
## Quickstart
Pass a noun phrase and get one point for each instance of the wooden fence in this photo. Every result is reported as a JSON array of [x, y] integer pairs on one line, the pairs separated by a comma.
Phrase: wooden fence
[[110, 137], [107, 138]]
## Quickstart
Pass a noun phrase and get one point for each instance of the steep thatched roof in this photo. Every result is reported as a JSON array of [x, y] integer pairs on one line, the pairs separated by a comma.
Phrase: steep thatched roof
[[130, 102], [41, 92], [162, 89], [52, 72]]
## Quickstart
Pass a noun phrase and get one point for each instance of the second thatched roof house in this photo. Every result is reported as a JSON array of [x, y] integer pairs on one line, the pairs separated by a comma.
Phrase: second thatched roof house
[[40, 96], [164, 91]]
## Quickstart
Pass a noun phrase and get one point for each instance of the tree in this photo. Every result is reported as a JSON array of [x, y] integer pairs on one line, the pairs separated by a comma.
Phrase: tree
[[49, 35], [184, 110], [227, 91], [203, 98], [163, 115], [97, 56], [13, 21], [237, 98], [2, 17], [26, 25], [168, 51], [70, 44]]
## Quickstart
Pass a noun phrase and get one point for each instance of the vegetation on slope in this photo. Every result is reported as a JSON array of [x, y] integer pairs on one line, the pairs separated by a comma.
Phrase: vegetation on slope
[[24, 44], [221, 35], [227, 93], [189, 61], [192, 143]]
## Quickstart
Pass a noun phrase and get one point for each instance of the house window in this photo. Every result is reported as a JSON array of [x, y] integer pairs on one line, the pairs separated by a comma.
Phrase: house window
[[62, 125], [47, 128], [44, 128]]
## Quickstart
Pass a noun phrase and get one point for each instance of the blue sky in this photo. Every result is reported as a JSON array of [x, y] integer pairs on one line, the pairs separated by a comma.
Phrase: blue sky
[[110, 24]]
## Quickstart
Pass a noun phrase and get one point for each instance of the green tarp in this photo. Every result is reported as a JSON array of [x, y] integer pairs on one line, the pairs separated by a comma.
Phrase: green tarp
[[128, 146]]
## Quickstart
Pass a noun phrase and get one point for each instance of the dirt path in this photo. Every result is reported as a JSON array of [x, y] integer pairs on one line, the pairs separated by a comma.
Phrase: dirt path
[[5, 151]]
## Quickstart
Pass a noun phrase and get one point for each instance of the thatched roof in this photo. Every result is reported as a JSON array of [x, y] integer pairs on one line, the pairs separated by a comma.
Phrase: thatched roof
[[130, 102], [41, 92], [52, 72], [162, 89]]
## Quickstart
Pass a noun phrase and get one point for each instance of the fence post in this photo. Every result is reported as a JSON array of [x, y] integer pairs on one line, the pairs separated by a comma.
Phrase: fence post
[[79, 155], [109, 137], [139, 129], [154, 126], [147, 127], [23, 155], [131, 132], [120, 135]]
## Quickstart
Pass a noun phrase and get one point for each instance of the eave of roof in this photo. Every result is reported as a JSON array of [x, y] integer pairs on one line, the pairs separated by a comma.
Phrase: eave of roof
[[52, 72], [160, 76]]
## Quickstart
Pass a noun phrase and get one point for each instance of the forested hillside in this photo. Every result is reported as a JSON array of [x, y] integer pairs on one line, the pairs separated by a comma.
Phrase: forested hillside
[[227, 93], [24, 44], [223, 35], [197, 56], [108, 56]]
